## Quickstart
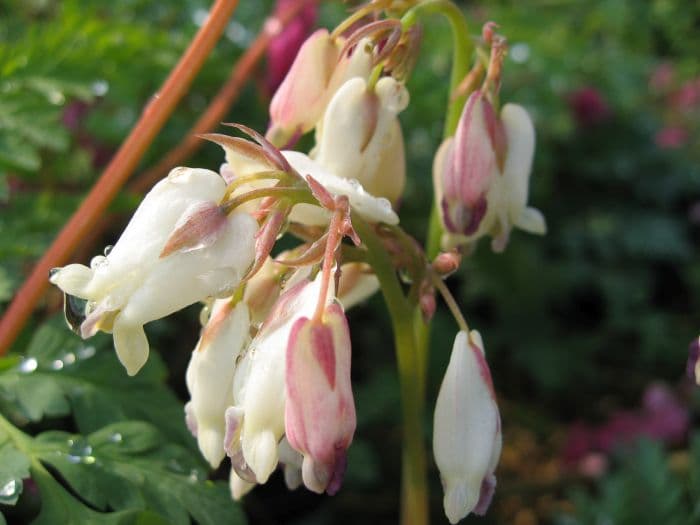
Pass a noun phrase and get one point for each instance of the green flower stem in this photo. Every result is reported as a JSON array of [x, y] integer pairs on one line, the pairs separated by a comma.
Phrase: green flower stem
[[414, 491], [462, 51]]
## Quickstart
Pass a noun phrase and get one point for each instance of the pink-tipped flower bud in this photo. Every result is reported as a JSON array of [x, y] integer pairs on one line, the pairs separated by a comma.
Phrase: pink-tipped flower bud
[[320, 411], [482, 174], [315, 75], [446, 263], [467, 430]]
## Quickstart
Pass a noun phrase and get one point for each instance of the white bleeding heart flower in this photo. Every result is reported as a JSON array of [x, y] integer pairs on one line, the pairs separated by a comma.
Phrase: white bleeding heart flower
[[482, 174], [177, 249], [256, 424], [317, 72], [320, 410], [209, 376], [360, 136], [467, 430]]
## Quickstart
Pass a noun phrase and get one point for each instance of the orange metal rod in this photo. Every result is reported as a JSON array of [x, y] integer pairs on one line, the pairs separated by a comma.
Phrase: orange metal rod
[[117, 172]]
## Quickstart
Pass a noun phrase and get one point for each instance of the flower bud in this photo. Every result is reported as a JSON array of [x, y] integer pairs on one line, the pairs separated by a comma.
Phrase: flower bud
[[320, 411], [316, 73], [209, 376], [481, 175], [360, 136], [467, 430]]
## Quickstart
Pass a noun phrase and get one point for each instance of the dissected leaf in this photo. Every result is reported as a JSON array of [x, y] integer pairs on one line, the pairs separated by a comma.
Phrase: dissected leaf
[[126, 465], [61, 373]]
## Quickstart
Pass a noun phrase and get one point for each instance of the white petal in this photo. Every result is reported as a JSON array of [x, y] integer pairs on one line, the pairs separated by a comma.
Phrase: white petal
[[520, 135], [210, 376], [531, 220], [131, 345], [369, 207], [238, 487], [73, 279]]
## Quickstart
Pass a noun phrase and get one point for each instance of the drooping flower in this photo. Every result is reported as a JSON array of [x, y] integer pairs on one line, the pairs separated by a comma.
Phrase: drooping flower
[[178, 248], [317, 72], [209, 376], [257, 423], [467, 430], [320, 411], [482, 174], [360, 136]]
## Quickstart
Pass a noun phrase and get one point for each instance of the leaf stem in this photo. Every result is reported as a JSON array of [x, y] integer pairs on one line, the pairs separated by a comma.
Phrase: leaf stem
[[117, 172]]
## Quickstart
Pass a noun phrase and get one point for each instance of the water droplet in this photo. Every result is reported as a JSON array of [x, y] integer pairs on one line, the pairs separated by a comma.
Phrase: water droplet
[[69, 358], [28, 365], [98, 261], [56, 97], [519, 53], [108, 250], [405, 276], [86, 352], [100, 88], [384, 204], [204, 315], [74, 311], [80, 451], [56, 364], [194, 476], [199, 16], [116, 438], [10, 491]]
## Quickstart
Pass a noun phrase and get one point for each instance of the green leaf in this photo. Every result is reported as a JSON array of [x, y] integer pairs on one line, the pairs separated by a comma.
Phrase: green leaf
[[14, 467], [127, 466], [61, 374]]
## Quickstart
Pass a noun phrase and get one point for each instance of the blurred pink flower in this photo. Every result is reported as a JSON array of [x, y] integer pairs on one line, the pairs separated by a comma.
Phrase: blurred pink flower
[[662, 417], [283, 47], [662, 77], [671, 137], [588, 106], [688, 95]]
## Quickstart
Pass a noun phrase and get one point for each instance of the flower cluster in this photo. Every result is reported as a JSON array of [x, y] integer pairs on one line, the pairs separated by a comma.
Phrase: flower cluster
[[269, 379]]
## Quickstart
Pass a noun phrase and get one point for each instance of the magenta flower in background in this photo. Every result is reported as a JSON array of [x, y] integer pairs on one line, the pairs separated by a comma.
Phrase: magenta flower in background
[[671, 137], [588, 106], [283, 47], [662, 417]]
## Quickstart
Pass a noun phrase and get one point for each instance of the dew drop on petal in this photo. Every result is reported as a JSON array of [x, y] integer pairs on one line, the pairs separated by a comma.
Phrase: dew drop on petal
[[107, 250], [98, 261], [74, 311]]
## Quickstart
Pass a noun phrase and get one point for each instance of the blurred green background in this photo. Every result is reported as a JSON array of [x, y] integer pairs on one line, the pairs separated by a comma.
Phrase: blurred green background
[[586, 329]]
